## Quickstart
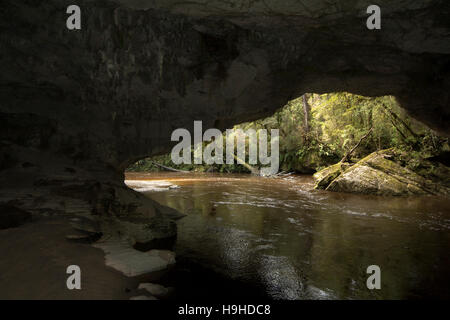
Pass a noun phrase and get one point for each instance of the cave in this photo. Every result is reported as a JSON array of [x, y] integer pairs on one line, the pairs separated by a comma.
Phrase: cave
[[80, 106]]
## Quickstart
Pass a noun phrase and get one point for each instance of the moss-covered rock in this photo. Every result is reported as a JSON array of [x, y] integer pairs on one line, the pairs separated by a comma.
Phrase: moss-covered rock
[[382, 173], [325, 176]]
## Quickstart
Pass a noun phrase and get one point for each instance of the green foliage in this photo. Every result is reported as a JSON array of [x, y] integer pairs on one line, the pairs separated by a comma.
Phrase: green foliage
[[336, 123]]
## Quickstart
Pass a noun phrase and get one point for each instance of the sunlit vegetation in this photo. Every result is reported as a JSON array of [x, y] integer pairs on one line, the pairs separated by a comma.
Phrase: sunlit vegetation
[[319, 130]]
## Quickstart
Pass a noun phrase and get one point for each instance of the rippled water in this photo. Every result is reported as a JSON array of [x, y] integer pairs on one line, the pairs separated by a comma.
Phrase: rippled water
[[298, 243]]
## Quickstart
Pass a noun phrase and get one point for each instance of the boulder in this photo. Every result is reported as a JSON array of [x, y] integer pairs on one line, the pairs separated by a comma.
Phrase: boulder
[[166, 255], [379, 173], [86, 225], [325, 176]]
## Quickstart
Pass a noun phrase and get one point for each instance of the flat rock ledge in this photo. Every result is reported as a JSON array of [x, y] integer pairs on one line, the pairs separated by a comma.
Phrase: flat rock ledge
[[143, 298], [157, 290], [385, 172], [120, 256]]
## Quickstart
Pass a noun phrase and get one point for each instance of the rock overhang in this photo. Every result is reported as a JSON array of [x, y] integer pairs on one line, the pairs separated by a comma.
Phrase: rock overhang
[[115, 90]]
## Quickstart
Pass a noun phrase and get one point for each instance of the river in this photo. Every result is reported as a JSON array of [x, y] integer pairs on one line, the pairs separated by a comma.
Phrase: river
[[288, 241]]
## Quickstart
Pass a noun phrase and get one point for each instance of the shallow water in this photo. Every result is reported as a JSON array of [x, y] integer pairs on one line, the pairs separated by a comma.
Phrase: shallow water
[[294, 242]]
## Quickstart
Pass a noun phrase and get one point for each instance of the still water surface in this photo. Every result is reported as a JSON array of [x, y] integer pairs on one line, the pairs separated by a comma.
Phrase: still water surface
[[294, 242]]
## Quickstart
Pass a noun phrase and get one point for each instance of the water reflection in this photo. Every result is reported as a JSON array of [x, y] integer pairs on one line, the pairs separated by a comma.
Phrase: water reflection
[[299, 243]]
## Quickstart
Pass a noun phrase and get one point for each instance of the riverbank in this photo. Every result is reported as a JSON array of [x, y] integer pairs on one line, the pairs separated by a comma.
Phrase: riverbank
[[40, 255], [246, 237], [36, 256]]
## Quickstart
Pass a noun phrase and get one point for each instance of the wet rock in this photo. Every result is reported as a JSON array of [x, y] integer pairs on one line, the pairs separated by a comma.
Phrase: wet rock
[[86, 225], [77, 237], [83, 238], [156, 290], [166, 255], [143, 298], [141, 233], [169, 212], [157, 243], [132, 263], [11, 217], [379, 173], [89, 230], [325, 176], [127, 214]]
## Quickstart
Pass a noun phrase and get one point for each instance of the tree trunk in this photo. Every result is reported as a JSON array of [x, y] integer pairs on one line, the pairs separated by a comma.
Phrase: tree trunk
[[347, 156], [306, 111], [399, 120]]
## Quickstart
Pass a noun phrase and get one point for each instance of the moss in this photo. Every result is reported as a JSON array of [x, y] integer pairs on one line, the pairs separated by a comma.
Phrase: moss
[[366, 180], [324, 177], [382, 173]]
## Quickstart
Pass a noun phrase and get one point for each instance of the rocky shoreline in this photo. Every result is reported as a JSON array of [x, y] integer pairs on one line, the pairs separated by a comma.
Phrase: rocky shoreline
[[146, 266], [133, 231]]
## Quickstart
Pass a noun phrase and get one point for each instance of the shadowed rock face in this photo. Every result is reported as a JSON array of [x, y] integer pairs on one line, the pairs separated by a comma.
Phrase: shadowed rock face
[[77, 107]]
